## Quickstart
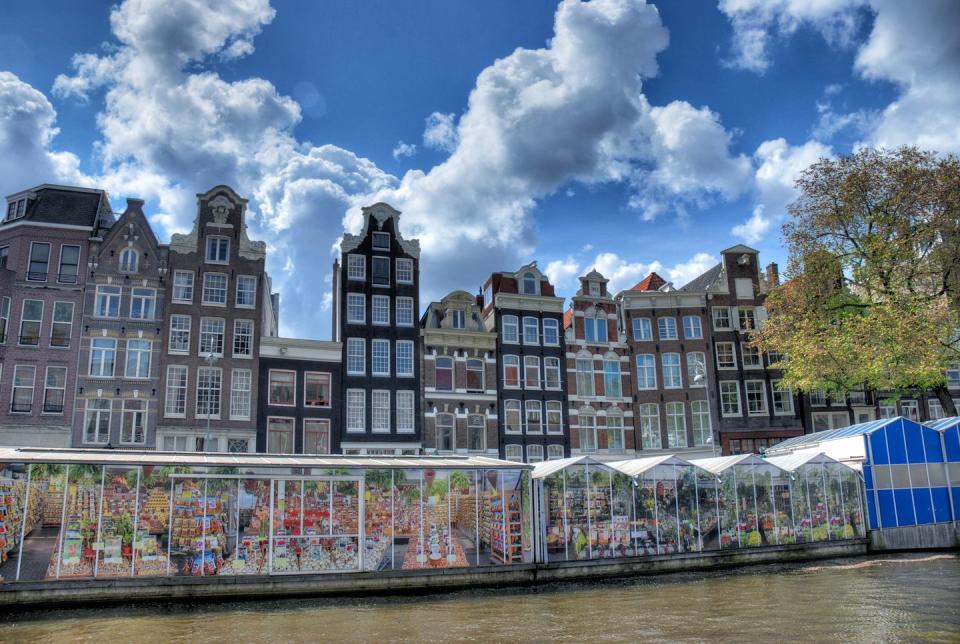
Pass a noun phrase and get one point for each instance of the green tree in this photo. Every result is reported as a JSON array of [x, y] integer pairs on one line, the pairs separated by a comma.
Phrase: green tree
[[873, 290]]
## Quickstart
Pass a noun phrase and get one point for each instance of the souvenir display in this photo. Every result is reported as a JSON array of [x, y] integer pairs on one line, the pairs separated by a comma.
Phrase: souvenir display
[[13, 494]]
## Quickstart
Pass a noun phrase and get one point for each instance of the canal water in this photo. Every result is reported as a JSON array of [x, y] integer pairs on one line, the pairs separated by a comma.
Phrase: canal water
[[881, 599]]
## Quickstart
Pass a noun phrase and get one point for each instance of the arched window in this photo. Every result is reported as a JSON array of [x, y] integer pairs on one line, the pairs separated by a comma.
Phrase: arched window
[[529, 284], [444, 371], [445, 432], [129, 259]]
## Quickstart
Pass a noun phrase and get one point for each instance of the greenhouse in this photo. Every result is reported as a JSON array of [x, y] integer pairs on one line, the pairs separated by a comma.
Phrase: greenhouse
[[826, 501], [751, 501], [586, 509], [949, 429], [75, 514], [903, 468]]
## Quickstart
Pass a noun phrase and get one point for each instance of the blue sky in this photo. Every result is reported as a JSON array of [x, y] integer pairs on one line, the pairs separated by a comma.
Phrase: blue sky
[[611, 134]]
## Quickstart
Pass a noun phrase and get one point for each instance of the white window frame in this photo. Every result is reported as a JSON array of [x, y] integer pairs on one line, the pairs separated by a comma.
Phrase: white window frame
[[209, 288], [645, 327], [46, 273], [222, 324], [612, 374], [510, 359], [534, 453], [97, 439], [183, 287], [128, 261], [404, 314], [530, 323], [693, 330], [586, 378], [587, 423], [406, 418], [355, 411], [107, 294], [290, 430], [667, 323], [533, 409], [320, 427], [307, 375], [715, 318], [239, 332], [779, 397], [222, 244], [401, 360], [514, 323], [14, 387], [553, 407], [241, 385], [679, 422], [172, 391], [407, 267], [695, 359], [700, 409], [552, 364], [554, 327], [743, 357], [24, 320], [513, 453], [554, 452], [249, 279], [209, 371], [74, 278], [145, 300], [733, 353], [100, 372], [384, 308], [652, 420], [356, 350], [132, 409], [518, 407], [357, 268], [736, 390], [380, 411], [379, 259], [141, 355], [178, 319], [648, 369], [449, 365], [678, 367], [356, 308], [384, 345], [531, 362]]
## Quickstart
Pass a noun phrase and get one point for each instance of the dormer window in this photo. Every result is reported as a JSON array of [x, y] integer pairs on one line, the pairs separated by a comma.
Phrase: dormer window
[[129, 260], [16, 209], [458, 319], [218, 250], [529, 284], [381, 241]]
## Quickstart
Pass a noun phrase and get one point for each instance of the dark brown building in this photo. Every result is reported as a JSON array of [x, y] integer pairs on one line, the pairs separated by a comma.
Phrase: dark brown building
[[218, 305], [669, 338]]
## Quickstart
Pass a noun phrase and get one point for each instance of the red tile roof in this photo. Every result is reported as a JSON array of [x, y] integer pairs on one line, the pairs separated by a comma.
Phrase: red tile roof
[[567, 318], [651, 282]]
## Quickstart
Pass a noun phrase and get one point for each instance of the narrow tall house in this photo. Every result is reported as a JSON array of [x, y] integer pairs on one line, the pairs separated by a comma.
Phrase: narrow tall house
[[122, 338], [459, 378], [598, 364], [527, 316], [376, 300], [669, 338], [43, 269], [754, 410], [218, 305]]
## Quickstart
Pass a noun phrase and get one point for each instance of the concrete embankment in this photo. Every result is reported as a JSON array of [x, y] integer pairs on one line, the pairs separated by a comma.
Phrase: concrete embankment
[[45, 594], [934, 536]]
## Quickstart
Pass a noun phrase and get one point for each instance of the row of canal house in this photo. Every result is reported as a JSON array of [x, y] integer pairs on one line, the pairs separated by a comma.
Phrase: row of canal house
[[109, 338]]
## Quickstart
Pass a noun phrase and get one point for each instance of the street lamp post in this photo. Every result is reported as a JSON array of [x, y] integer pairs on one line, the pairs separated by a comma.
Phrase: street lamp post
[[211, 359]]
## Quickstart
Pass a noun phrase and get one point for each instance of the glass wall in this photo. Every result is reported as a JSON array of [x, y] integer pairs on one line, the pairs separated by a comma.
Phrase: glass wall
[[95, 521]]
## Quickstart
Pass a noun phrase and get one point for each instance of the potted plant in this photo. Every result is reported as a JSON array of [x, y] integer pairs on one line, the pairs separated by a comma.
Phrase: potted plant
[[123, 527], [88, 530]]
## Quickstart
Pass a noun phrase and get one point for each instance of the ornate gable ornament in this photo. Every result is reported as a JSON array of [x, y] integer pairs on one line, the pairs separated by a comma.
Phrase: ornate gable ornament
[[379, 213]]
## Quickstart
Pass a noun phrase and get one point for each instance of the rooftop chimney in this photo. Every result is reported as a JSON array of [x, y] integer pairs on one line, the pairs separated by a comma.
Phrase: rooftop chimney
[[773, 275]]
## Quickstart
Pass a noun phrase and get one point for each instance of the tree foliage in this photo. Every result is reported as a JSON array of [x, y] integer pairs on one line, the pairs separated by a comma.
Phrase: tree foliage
[[873, 284]]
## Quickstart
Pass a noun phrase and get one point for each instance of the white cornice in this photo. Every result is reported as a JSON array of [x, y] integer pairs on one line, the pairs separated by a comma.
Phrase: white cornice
[[42, 224], [295, 349], [543, 303], [459, 338]]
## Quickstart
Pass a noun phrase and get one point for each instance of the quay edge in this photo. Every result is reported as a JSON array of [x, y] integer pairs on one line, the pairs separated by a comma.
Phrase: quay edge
[[20, 596]]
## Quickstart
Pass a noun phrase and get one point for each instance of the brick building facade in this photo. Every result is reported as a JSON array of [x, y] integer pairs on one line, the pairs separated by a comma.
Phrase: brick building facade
[[121, 336], [459, 378], [43, 269], [671, 368], [599, 389]]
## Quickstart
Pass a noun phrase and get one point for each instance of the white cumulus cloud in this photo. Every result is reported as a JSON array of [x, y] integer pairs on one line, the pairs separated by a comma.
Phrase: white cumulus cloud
[[440, 132], [402, 149]]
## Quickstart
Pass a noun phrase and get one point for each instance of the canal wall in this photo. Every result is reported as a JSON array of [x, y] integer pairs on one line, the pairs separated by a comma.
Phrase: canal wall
[[933, 536], [47, 594]]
